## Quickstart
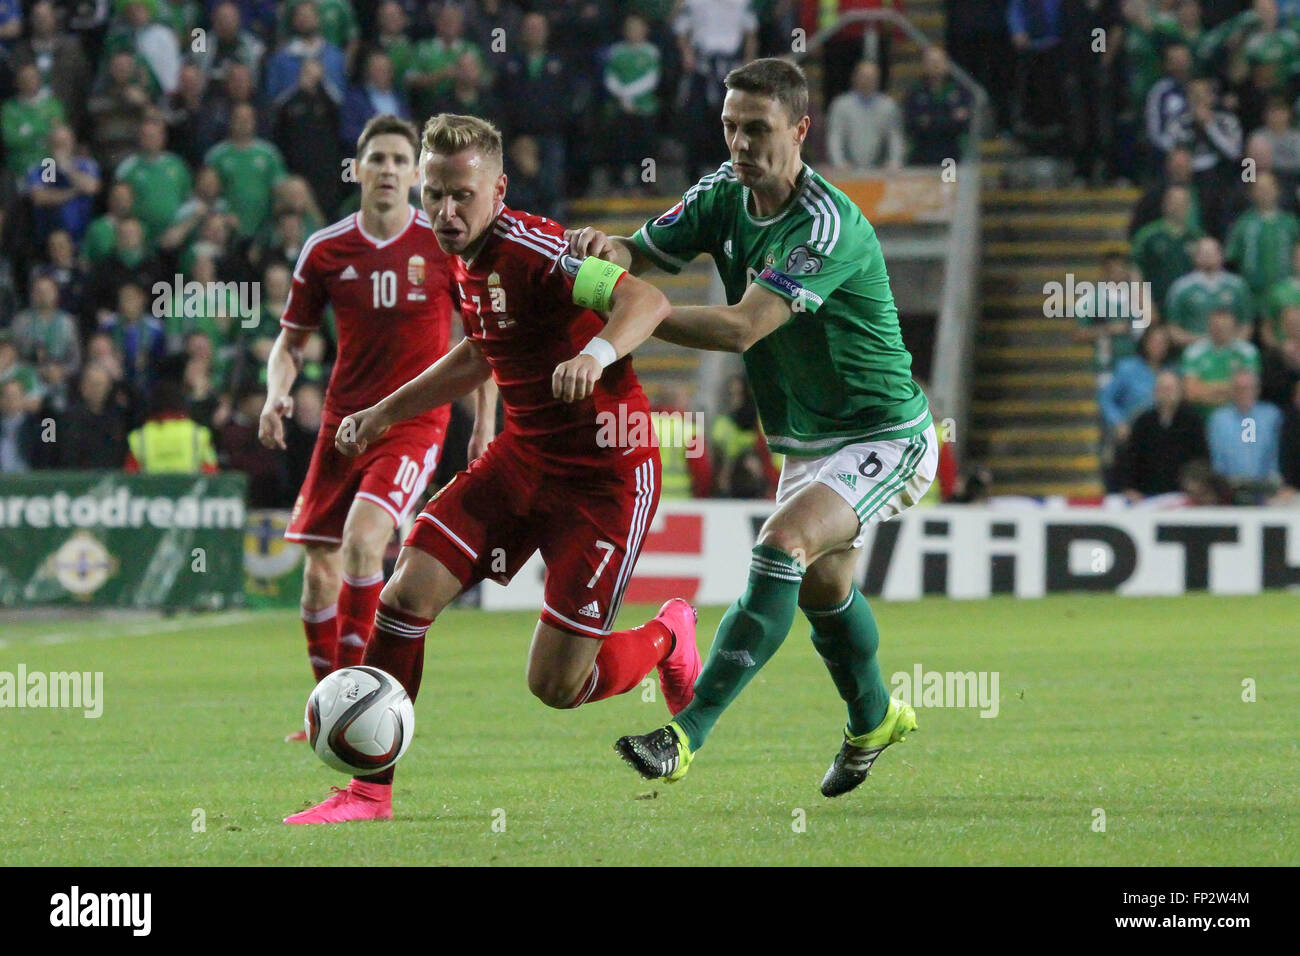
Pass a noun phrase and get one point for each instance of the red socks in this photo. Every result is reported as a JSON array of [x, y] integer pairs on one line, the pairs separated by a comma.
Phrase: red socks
[[322, 630], [625, 658], [358, 599], [397, 646]]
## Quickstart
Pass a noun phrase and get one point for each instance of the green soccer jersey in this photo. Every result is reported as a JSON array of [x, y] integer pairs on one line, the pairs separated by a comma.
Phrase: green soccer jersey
[[632, 75], [1281, 296], [100, 239], [1193, 297], [1260, 243], [401, 53], [161, 184], [1163, 255], [837, 372], [1216, 365], [433, 56], [26, 125], [248, 177]]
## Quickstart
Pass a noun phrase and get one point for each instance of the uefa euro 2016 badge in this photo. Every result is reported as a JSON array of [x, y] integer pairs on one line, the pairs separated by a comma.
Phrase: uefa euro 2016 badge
[[672, 215], [415, 279]]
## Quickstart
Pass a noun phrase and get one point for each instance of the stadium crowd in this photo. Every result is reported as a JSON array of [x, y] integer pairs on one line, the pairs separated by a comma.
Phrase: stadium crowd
[[152, 144], [1195, 101]]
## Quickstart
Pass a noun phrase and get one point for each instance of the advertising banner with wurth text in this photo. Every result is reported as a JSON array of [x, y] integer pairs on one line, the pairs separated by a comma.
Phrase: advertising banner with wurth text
[[700, 550], [112, 539]]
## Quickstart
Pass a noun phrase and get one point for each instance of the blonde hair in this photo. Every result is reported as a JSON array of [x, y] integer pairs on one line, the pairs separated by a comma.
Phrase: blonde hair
[[449, 133]]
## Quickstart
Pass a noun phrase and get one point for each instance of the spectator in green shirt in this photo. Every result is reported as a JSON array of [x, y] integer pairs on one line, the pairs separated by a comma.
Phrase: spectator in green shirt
[[161, 179], [1196, 295], [45, 333], [632, 83], [11, 367], [249, 169], [433, 71], [1281, 295], [338, 23], [101, 236], [1262, 239], [1161, 248], [392, 22], [1209, 363], [26, 121]]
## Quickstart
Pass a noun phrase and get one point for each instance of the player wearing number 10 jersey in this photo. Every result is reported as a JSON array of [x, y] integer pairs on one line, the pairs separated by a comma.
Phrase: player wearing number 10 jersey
[[555, 334], [391, 291]]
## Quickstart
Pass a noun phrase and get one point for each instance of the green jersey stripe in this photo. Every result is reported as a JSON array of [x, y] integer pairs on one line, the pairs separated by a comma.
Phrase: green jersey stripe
[[888, 480], [913, 457], [824, 445], [833, 222], [671, 263]]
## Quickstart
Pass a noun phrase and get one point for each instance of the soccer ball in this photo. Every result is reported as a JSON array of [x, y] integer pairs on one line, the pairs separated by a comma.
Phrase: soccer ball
[[359, 720]]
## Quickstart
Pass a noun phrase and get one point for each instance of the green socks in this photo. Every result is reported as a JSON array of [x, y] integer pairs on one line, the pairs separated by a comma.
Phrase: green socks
[[750, 633], [846, 638]]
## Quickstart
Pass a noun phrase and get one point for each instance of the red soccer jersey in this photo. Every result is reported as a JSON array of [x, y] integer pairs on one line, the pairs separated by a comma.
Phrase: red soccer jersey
[[516, 302], [392, 304]]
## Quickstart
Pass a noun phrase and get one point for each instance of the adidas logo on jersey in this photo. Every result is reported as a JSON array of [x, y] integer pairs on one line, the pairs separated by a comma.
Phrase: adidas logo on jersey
[[348, 273], [848, 479], [590, 610]]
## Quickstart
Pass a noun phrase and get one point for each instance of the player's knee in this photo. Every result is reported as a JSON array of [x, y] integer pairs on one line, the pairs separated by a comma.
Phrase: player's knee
[[402, 594], [361, 556], [789, 540], [320, 583], [551, 689]]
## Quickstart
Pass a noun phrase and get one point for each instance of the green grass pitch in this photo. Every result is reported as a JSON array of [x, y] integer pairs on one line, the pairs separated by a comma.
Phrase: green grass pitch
[[1132, 707]]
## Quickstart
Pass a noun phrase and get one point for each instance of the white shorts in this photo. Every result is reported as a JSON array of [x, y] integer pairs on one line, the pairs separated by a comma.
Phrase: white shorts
[[878, 479]]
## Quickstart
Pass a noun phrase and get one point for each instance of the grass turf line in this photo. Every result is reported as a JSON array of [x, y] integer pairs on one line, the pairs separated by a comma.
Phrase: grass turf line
[[1133, 706]]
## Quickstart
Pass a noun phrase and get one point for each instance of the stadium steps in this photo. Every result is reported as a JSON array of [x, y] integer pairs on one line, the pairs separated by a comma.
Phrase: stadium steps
[[1034, 409], [658, 364]]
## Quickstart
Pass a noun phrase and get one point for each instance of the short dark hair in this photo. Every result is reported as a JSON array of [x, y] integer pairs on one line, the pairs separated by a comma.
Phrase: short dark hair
[[774, 77], [386, 123]]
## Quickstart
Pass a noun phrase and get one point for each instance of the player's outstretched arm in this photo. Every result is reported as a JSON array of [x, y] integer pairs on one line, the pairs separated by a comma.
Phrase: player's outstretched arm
[[727, 328], [620, 250], [282, 367], [634, 309], [457, 373]]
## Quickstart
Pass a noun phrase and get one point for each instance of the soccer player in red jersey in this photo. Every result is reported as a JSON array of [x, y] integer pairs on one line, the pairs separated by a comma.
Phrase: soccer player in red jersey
[[391, 290], [555, 334]]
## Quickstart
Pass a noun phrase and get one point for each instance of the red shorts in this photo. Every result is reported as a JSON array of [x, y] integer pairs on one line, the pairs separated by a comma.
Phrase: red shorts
[[391, 473], [490, 519]]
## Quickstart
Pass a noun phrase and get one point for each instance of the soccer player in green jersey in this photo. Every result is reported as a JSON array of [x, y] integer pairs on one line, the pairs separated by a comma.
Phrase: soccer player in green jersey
[[810, 308]]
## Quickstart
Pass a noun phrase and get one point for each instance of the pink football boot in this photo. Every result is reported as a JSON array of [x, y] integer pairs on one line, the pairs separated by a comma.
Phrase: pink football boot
[[678, 671], [358, 801]]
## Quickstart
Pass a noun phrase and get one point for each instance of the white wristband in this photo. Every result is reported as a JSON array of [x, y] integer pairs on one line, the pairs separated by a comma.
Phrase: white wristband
[[601, 351]]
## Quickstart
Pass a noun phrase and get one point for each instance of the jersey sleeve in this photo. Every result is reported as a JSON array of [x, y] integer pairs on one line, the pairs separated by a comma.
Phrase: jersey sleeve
[[672, 240], [810, 268], [307, 296]]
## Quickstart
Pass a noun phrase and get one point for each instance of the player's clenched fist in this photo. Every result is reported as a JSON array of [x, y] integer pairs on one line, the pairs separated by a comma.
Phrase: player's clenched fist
[[589, 241], [576, 379], [358, 430], [270, 426]]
